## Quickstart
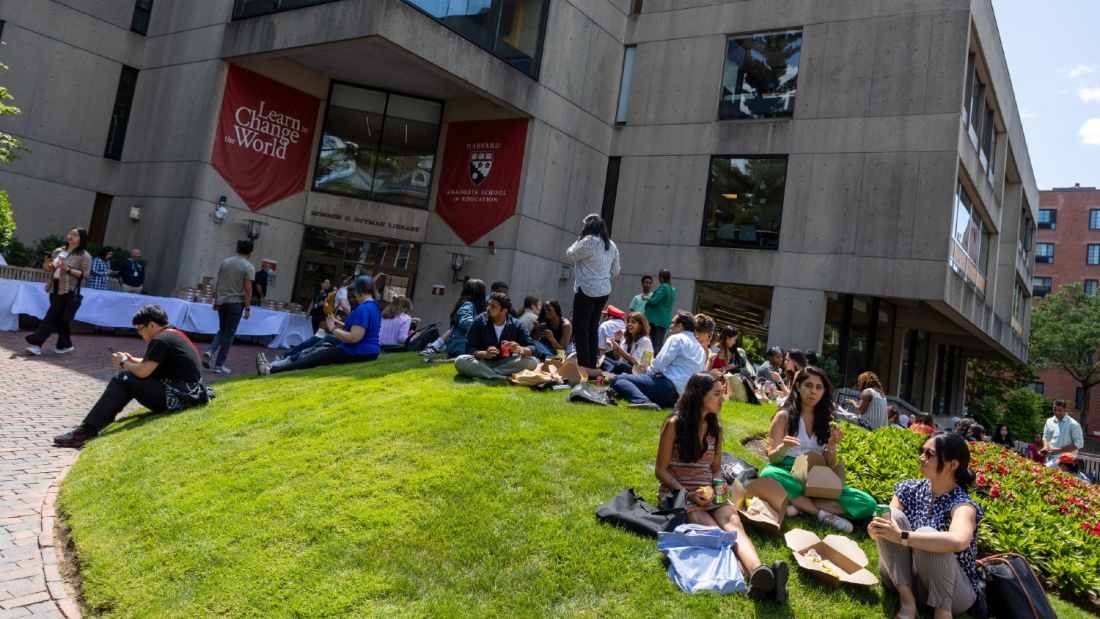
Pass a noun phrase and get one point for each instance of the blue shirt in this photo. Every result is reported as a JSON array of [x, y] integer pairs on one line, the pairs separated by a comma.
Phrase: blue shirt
[[681, 356], [368, 316], [132, 273], [1064, 433]]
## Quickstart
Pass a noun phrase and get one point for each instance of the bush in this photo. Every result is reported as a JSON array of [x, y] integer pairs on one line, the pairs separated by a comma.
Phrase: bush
[[1050, 517], [19, 255], [987, 411], [1023, 413], [7, 222]]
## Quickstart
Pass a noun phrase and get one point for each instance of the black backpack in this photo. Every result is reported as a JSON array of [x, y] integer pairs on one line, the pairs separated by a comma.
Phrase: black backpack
[[736, 469], [1012, 591], [419, 341]]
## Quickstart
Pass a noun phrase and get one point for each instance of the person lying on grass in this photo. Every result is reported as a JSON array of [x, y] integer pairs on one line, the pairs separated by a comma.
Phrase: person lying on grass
[[689, 457], [358, 335], [168, 378], [806, 423], [497, 345], [928, 545]]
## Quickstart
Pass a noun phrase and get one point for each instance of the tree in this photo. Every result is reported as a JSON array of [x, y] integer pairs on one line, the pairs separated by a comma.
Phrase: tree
[[8, 146], [988, 385], [1065, 335]]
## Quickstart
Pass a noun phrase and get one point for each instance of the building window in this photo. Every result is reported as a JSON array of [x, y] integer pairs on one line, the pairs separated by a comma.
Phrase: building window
[[1019, 303], [760, 75], [1044, 253], [1048, 219], [970, 253], [1094, 219], [636, 7], [1093, 257], [610, 191], [140, 22], [1090, 287], [1038, 387], [378, 145], [120, 115], [335, 255], [1040, 286], [745, 202], [624, 85], [1079, 398]]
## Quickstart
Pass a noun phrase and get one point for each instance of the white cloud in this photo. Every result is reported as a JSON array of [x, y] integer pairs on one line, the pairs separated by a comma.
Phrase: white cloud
[[1026, 113], [1090, 132], [1080, 70], [1089, 94]]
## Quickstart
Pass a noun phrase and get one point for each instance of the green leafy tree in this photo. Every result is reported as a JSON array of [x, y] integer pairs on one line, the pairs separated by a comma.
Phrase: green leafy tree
[[1065, 335], [8, 147], [988, 386]]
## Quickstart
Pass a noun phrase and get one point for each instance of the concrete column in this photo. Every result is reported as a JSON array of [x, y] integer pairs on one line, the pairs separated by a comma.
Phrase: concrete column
[[797, 319]]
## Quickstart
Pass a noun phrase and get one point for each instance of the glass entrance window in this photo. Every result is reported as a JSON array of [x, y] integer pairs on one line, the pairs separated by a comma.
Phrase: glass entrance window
[[338, 255], [761, 75], [378, 146], [745, 202]]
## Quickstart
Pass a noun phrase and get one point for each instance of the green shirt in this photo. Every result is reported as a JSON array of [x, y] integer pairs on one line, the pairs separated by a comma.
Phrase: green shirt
[[658, 311]]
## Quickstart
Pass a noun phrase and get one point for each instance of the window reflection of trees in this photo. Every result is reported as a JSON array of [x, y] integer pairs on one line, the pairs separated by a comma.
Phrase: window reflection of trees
[[745, 202], [761, 75]]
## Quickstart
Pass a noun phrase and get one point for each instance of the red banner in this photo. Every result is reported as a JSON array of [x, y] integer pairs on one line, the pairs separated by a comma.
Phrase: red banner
[[479, 176], [264, 140]]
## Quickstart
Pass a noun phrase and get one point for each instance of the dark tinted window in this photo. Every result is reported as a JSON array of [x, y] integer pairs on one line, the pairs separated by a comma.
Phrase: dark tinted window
[[760, 75], [142, 11], [745, 202], [120, 115]]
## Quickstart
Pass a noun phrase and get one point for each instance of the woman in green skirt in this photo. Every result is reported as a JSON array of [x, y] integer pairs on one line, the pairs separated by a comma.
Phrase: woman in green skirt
[[805, 424]]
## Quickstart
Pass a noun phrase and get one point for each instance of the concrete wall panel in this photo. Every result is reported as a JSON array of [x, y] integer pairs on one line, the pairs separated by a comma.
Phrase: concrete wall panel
[[839, 60], [902, 57], [832, 205], [887, 204]]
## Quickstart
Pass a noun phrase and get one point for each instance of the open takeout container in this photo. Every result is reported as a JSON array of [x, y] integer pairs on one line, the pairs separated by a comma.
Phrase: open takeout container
[[568, 369], [818, 480], [771, 492], [844, 553]]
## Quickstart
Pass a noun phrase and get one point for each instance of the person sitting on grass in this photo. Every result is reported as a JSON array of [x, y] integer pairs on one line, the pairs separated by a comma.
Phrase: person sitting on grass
[[805, 423], [630, 349], [166, 379], [689, 457], [924, 423], [1071, 465], [793, 363], [358, 335], [928, 546], [894, 416], [555, 337], [470, 303], [497, 346], [871, 407], [396, 321], [683, 354]]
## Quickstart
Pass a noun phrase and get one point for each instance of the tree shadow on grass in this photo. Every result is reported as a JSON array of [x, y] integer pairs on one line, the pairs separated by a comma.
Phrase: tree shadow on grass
[[488, 382]]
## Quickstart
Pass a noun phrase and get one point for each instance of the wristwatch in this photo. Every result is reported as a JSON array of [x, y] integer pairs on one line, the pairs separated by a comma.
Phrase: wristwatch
[[905, 538]]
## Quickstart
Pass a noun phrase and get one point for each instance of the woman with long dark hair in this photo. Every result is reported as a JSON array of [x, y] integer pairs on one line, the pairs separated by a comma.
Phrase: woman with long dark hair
[[793, 363], [101, 270], [729, 357], [689, 457], [1003, 437], [928, 545], [470, 303], [597, 261], [555, 337], [805, 423], [630, 350], [68, 265]]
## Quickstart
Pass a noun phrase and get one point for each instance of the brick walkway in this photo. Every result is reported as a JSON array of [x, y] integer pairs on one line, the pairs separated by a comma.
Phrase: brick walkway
[[41, 397]]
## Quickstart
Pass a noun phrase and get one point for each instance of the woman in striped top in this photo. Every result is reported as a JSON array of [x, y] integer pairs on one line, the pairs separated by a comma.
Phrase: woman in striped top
[[872, 402]]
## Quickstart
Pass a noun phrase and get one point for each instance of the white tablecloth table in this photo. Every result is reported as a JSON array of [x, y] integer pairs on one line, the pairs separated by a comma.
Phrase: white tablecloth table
[[104, 308]]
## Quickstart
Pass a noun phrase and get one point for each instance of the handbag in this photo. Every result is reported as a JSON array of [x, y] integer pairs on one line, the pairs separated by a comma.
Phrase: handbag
[[584, 392], [632, 513], [736, 469], [1012, 589]]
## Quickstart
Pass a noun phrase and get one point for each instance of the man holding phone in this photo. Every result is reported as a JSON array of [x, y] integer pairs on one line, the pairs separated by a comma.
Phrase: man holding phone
[[1061, 434]]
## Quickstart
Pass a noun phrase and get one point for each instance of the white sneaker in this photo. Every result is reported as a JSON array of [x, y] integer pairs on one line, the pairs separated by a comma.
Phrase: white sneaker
[[836, 522], [428, 351], [320, 333], [792, 511], [221, 369], [33, 350], [62, 351], [278, 363]]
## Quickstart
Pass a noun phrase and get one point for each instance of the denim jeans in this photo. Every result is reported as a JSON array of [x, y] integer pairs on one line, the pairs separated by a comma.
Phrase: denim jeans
[[616, 367], [542, 348], [295, 352], [640, 388], [229, 318]]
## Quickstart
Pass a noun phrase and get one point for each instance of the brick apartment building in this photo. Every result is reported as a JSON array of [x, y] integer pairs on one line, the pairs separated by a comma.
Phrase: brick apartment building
[[1067, 250]]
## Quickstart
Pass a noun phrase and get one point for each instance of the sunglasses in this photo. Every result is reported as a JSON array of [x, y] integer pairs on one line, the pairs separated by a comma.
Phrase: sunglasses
[[927, 454]]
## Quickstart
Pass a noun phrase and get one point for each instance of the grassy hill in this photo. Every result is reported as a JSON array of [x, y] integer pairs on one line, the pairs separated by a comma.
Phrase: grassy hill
[[394, 488]]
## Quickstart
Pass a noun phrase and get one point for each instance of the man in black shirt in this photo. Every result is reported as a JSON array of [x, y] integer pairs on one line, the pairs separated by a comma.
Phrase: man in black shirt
[[166, 379]]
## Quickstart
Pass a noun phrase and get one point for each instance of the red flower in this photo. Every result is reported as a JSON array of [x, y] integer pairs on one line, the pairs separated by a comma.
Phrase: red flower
[[995, 493]]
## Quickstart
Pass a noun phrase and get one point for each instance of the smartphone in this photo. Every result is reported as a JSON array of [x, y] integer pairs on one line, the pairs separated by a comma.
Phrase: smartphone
[[111, 349]]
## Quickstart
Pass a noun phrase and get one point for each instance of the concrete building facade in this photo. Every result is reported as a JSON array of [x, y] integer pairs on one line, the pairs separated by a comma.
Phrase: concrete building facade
[[1067, 251], [850, 177]]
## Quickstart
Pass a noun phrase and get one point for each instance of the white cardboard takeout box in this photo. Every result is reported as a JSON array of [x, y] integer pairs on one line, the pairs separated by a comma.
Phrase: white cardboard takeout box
[[841, 551]]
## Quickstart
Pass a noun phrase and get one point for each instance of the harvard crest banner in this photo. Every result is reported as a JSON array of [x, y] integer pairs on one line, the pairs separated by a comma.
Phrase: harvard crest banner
[[265, 137], [479, 176]]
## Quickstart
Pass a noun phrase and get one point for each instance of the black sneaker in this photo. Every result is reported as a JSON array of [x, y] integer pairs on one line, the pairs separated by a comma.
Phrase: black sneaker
[[781, 573], [75, 437], [761, 582], [206, 360]]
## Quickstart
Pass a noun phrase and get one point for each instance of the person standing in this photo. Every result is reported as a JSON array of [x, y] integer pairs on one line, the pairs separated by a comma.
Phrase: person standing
[[259, 287], [658, 310], [232, 295], [597, 261], [131, 273], [101, 269], [1061, 435], [317, 311], [167, 378], [69, 265], [638, 304]]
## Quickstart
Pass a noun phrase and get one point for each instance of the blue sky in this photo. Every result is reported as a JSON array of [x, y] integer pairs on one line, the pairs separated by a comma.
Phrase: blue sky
[[1053, 54]]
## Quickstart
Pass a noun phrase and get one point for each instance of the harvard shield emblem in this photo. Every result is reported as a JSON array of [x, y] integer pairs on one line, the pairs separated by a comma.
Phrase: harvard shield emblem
[[480, 164]]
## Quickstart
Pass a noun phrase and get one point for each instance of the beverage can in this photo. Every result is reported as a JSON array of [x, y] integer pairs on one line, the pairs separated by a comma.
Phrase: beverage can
[[882, 511], [717, 484], [504, 350], [599, 380]]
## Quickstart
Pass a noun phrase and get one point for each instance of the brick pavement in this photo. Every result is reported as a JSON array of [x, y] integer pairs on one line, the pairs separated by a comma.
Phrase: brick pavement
[[41, 397]]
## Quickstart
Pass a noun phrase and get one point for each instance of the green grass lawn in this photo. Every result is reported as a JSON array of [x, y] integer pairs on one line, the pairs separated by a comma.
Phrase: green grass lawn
[[393, 488]]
